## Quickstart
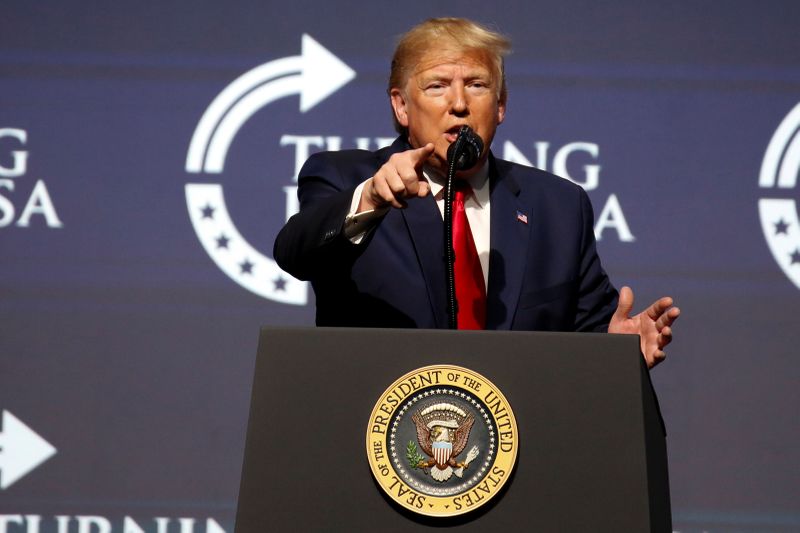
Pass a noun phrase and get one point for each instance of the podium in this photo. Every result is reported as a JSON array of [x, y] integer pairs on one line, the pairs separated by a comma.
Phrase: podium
[[592, 451]]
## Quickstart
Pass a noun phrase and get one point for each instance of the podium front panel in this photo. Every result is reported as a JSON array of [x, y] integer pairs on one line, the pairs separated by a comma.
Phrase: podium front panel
[[592, 454]]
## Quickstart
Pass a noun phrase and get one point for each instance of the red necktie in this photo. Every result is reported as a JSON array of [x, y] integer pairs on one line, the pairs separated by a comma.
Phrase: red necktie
[[470, 288]]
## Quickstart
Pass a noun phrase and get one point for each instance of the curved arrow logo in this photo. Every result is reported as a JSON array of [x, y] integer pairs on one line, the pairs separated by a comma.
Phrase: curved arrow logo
[[314, 75], [21, 450], [779, 220]]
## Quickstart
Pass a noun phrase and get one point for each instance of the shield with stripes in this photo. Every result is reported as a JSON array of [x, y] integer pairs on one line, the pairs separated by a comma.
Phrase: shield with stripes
[[441, 452]]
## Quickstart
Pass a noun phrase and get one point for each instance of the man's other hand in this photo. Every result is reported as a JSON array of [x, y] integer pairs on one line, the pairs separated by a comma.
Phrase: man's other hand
[[653, 325]]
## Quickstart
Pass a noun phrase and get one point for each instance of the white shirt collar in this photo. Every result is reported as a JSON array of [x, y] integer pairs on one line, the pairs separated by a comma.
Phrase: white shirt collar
[[478, 181]]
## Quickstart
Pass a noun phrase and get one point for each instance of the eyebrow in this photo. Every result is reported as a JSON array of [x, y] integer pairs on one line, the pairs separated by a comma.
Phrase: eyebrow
[[469, 75]]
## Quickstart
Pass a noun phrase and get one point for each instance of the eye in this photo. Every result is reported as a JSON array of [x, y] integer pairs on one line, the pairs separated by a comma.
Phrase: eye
[[479, 85], [435, 87]]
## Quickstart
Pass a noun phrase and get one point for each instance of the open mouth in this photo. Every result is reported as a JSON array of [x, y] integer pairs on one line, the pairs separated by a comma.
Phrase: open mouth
[[452, 134]]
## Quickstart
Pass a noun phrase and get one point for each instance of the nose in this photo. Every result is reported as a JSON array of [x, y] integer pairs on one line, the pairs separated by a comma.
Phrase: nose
[[458, 103]]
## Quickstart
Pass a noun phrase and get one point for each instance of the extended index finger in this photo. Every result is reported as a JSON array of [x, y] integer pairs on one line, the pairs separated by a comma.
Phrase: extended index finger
[[420, 155]]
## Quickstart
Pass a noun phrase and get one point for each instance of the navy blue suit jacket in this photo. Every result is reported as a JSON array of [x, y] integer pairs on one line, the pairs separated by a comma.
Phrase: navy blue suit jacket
[[544, 275]]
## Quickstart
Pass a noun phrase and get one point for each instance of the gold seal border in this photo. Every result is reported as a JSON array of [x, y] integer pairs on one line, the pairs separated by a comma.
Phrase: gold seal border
[[396, 395]]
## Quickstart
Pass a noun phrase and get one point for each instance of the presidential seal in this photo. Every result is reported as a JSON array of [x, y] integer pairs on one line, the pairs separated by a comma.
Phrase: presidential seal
[[442, 440]]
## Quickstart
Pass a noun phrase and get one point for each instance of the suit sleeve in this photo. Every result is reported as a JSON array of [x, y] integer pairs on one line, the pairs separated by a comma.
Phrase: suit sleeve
[[313, 240], [597, 297]]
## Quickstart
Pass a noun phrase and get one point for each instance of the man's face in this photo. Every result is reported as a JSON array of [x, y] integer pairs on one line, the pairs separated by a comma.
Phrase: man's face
[[445, 92]]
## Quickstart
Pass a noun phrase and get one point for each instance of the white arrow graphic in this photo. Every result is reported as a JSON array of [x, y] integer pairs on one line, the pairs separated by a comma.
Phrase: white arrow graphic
[[779, 217], [782, 158], [21, 450], [314, 75]]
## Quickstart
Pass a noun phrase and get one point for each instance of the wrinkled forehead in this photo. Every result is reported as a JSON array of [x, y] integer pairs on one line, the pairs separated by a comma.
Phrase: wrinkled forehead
[[431, 58]]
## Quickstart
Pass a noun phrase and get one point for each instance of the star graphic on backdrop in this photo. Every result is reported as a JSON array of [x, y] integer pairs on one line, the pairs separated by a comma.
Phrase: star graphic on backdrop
[[208, 211], [280, 283], [781, 227], [246, 266], [795, 256], [222, 241]]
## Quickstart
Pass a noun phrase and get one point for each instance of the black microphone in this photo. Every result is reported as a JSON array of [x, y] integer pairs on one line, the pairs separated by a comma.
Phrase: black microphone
[[462, 154], [466, 149]]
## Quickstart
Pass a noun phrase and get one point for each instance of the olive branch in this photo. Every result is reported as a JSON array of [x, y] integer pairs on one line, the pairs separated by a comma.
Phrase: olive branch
[[413, 455]]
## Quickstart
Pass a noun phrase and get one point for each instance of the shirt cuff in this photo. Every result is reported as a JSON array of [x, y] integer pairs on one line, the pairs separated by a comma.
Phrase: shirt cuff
[[358, 225]]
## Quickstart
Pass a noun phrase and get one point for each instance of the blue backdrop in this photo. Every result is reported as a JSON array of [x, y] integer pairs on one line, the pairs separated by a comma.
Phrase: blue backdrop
[[135, 272]]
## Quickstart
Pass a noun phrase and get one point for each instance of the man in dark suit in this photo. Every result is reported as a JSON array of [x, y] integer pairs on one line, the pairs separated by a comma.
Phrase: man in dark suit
[[369, 231]]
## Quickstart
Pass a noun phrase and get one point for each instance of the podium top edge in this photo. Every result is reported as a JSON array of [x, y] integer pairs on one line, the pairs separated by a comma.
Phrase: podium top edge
[[307, 329]]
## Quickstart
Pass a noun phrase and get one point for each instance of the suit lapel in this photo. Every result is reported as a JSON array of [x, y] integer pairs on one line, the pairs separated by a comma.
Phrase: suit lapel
[[509, 246], [424, 223]]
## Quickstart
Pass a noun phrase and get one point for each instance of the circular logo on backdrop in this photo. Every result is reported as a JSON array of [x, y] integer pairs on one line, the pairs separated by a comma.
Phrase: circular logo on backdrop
[[314, 75], [778, 212], [442, 440]]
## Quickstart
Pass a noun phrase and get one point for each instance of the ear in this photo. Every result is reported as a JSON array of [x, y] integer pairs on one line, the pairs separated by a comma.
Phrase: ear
[[501, 111], [399, 106]]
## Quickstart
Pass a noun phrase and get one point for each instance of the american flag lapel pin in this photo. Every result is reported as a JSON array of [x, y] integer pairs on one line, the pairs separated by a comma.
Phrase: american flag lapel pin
[[522, 217]]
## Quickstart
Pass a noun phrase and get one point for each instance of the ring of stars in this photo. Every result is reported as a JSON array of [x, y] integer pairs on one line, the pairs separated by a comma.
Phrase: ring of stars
[[398, 457], [224, 242]]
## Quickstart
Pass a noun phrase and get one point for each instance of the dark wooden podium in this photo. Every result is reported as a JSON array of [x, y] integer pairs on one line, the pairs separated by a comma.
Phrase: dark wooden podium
[[592, 451]]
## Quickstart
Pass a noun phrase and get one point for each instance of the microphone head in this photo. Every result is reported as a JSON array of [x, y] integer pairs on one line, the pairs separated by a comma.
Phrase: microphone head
[[466, 149]]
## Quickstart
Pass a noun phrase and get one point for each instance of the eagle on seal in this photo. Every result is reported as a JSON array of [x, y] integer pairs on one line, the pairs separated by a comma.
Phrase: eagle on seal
[[443, 441]]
